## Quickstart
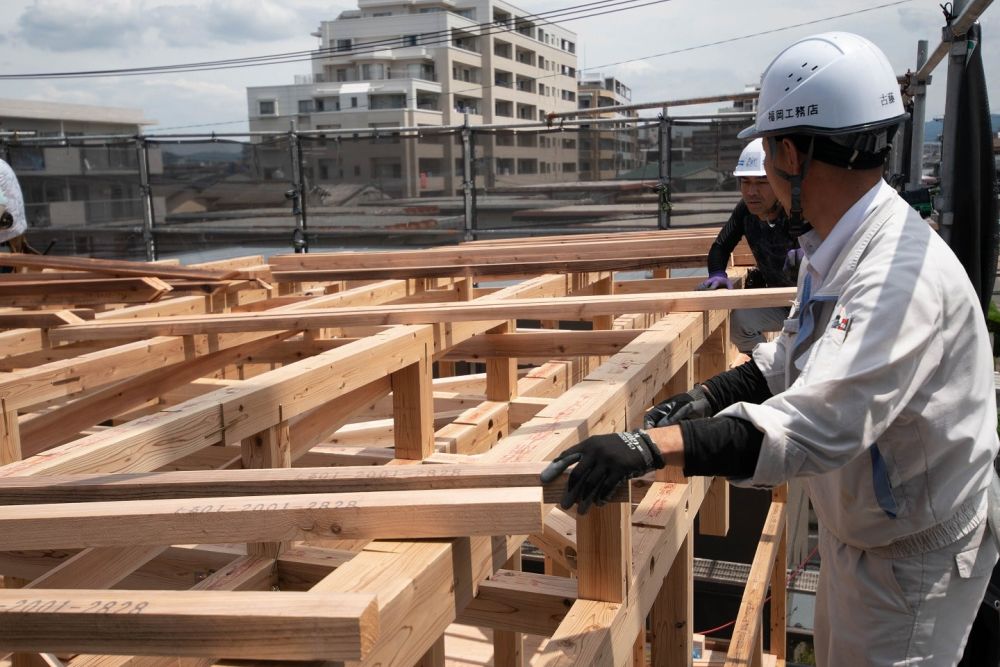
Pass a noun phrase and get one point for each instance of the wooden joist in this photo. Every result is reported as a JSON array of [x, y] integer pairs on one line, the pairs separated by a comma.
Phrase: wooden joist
[[276, 626], [568, 308]]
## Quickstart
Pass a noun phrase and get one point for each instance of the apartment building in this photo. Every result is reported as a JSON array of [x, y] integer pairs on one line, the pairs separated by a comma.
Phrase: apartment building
[[78, 182], [611, 149], [430, 63]]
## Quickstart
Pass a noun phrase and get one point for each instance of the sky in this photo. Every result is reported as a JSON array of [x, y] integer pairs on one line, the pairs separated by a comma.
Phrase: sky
[[67, 35]]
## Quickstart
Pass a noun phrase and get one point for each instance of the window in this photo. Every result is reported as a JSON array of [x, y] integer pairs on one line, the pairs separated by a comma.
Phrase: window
[[354, 103], [343, 45], [378, 14], [569, 167], [409, 40], [306, 106], [341, 75], [267, 108]]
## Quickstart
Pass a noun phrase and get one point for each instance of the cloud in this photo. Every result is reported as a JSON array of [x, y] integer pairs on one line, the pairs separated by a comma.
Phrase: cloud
[[227, 21], [66, 25], [70, 25]]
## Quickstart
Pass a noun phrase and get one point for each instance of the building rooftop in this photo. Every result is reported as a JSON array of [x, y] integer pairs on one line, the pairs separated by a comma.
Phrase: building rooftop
[[76, 112]]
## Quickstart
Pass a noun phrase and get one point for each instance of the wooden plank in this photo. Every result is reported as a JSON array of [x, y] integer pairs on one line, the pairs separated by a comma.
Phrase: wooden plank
[[565, 308], [779, 583], [747, 635], [380, 514], [279, 626], [81, 293], [114, 267]]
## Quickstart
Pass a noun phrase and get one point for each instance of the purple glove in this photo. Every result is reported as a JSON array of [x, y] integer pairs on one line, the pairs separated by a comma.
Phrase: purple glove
[[792, 260], [715, 281]]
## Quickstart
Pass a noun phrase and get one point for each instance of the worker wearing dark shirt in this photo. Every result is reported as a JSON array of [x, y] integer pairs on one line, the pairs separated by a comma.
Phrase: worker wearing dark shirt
[[760, 219]]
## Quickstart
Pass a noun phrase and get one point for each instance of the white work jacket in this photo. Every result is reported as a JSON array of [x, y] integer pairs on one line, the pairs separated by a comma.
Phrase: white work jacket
[[15, 203], [883, 387]]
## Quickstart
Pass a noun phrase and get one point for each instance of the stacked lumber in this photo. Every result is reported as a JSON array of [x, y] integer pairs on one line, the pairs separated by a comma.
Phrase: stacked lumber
[[332, 458]]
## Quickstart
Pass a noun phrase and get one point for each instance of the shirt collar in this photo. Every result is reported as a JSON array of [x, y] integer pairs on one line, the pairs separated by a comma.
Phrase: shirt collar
[[823, 253]]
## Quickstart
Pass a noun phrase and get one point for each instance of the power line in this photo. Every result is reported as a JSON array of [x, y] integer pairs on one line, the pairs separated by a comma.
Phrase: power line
[[565, 14], [687, 49]]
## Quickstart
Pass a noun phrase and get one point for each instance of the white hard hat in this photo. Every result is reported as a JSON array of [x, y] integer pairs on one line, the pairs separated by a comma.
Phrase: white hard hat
[[751, 161], [830, 84]]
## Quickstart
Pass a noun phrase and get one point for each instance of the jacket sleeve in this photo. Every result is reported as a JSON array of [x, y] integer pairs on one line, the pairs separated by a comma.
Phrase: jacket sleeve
[[728, 237], [880, 348]]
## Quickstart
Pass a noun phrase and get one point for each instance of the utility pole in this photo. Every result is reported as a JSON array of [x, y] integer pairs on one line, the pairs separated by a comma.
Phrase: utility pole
[[918, 89], [148, 237], [663, 188], [467, 178], [300, 242], [956, 64]]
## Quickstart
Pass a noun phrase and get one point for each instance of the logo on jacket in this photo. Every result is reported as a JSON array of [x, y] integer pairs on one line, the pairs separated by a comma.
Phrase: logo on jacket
[[841, 325]]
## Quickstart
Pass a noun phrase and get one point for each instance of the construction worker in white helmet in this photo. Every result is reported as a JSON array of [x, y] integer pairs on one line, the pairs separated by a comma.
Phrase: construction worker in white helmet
[[760, 219], [879, 391]]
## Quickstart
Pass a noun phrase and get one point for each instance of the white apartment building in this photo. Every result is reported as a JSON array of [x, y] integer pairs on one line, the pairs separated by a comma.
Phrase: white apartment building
[[611, 149], [413, 63]]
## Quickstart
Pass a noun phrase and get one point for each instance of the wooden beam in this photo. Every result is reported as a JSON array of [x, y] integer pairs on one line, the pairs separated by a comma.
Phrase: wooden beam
[[565, 308], [51, 489], [43, 319], [115, 267], [559, 343], [239, 412], [277, 626], [81, 292], [381, 514], [60, 424]]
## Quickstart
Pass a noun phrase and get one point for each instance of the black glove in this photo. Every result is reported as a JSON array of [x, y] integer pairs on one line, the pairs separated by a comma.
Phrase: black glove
[[693, 404], [603, 462]]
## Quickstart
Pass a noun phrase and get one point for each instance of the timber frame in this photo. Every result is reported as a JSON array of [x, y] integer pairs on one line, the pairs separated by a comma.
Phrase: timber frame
[[186, 456]]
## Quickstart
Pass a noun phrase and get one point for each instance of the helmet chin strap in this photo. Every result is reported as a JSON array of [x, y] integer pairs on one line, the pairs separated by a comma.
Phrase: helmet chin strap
[[797, 225]]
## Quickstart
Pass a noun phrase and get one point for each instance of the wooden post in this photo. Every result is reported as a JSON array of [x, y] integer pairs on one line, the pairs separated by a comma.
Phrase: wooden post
[[10, 436], [501, 373], [434, 656], [508, 647], [673, 612], [604, 553], [268, 449], [604, 286], [413, 411]]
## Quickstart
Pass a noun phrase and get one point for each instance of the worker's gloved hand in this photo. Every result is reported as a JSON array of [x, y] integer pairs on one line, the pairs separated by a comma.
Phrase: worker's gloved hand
[[689, 405], [792, 260], [715, 281], [602, 463]]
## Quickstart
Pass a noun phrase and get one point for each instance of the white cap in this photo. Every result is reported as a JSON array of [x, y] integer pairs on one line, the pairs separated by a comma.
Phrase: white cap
[[751, 161], [828, 84]]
